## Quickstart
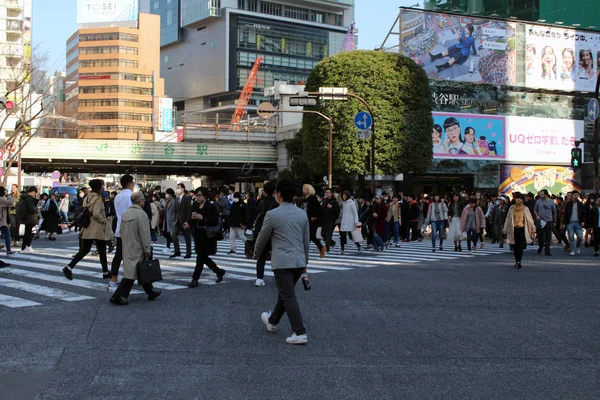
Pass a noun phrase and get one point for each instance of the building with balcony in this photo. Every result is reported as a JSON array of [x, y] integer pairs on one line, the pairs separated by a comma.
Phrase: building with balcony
[[15, 54], [112, 79], [209, 46]]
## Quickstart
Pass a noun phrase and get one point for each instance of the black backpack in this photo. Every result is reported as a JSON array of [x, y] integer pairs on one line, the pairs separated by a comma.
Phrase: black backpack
[[82, 217]]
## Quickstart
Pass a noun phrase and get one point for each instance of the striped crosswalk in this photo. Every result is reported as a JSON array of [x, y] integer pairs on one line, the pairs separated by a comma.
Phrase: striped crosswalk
[[36, 279]]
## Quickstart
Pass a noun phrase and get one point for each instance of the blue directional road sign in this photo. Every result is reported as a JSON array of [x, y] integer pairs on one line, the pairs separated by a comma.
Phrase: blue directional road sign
[[593, 109], [363, 120]]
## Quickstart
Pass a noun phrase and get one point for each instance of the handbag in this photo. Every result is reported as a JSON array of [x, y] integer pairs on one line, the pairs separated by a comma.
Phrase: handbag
[[319, 234], [148, 271], [357, 236]]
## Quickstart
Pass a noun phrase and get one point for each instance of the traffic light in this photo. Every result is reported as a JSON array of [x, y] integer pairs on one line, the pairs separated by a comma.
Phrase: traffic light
[[6, 104], [305, 101], [576, 157]]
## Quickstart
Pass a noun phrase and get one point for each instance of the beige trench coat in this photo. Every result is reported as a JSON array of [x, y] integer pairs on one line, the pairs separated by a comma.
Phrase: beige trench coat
[[509, 228], [135, 233], [97, 227]]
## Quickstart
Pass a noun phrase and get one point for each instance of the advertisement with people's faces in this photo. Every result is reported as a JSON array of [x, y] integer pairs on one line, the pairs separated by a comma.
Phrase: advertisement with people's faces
[[468, 136], [558, 58]]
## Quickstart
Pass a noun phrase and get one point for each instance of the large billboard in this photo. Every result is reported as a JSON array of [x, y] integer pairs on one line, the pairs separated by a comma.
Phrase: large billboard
[[561, 58], [106, 11], [460, 48], [541, 140], [533, 178], [468, 136]]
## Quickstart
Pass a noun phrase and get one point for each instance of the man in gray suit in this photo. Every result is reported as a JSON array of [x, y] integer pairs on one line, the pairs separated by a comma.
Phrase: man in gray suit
[[286, 228]]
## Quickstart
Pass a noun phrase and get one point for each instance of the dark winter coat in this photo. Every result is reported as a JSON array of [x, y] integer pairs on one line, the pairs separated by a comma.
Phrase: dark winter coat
[[313, 210], [330, 214], [238, 215]]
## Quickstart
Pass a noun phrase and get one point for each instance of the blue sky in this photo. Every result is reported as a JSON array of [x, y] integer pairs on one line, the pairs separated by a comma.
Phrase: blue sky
[[55, 20]]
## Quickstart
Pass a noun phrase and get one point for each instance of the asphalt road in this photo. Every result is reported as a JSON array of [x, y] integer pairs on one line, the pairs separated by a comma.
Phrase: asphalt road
[[459, 328]]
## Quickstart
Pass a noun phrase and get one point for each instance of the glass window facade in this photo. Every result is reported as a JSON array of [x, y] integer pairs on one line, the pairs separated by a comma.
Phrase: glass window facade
[[120, 115], [109, 50], [116, 89], [116, 129], [115, 103], [108, 63], [290, 51], [117, 76], [170, 31], [108, 36]]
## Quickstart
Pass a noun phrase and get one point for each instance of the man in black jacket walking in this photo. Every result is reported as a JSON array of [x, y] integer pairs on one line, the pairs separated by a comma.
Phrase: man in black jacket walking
[[331, 212], [267, 203], [238, 217], [574, 221], [183, 212]]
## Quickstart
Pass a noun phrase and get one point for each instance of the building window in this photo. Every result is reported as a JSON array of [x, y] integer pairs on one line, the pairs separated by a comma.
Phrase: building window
[[108, 36], [109, 63], [109, 50], [166, 59], [115, 103], [169, 17], [253, 5], [156, 4], [270, 8], [116, 89], [213, 44]]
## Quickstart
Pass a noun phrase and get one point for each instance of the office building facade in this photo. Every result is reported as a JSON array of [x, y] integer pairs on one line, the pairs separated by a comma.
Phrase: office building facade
[[210, 46], [113, 78]]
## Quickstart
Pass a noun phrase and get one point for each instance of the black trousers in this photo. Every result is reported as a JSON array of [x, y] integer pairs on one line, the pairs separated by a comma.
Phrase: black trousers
[[28, 237], [260, 264], [203, 258], [596, 239], [313, 235], [14, 227], [167, 236], [126, 285], [187, 235], [519, 243], [117, 259], [545, 238], [286, 280], [416, 234], [84, 249], [327, 233]]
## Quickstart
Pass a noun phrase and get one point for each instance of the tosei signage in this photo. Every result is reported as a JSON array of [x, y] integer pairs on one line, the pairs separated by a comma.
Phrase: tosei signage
[[99, 11]]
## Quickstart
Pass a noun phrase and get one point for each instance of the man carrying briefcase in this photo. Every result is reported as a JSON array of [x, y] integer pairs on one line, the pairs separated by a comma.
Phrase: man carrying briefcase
[[135, 233]]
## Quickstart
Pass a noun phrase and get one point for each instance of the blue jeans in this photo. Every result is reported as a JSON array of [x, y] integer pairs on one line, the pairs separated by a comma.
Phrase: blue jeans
[[437, 228], [378, 243], [471, 237], [574, 228], [65, 216], [6, 232], [392, 227]]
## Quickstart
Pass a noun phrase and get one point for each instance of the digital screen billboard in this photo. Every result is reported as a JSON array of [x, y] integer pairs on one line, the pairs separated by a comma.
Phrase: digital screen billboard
[[468, 136], [460, 48], [106, 11], [524, 178]]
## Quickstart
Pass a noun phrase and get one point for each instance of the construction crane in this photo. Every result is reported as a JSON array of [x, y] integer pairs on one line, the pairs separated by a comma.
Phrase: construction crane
[[242, 103]]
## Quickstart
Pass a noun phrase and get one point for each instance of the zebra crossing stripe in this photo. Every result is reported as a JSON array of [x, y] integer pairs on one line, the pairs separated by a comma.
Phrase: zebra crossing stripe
[[43, 290], [15, 302]]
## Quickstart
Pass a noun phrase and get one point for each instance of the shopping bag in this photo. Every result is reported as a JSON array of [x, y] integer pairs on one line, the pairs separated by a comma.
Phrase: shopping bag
[[357, 236], [21, 229], [319, 234], [249, 248], [148, 271]]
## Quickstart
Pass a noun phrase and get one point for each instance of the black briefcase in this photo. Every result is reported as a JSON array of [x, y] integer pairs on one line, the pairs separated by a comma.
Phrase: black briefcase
[[148, 271], [249, 248]]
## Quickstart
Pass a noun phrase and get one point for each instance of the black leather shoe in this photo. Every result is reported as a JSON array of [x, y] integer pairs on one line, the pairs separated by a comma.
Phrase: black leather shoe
[[187, 256], [67, 273], [118, 301], [174, 255], [193, 283], [220, 276], [3, 264], [106, 275], [540, 250], [154, 295]]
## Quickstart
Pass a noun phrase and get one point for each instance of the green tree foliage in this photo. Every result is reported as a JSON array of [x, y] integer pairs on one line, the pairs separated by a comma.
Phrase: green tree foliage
[[397, 89]]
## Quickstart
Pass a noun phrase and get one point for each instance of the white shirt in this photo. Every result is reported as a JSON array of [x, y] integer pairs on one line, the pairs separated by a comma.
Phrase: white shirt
[[122, 204]]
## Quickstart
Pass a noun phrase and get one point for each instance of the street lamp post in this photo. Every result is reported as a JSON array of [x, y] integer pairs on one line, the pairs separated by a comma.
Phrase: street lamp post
[[343, 92]]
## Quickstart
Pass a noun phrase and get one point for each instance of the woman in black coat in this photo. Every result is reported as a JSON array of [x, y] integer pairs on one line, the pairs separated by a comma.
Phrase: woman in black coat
[[51, 215], [204, 213], [314, 211]]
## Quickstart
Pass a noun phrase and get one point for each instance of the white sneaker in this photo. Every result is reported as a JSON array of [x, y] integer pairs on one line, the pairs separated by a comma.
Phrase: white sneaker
[[572, 253], [578, 250], [295, 339], [27, 249], [259, 283], [265, 319], [112, 286], [166, 250]]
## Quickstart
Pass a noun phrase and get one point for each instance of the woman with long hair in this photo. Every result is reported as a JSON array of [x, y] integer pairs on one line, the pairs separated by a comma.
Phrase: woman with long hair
[[519, 227], [567, 72], [437, 214], [469, 146], [586, 65], [313, 209], [15, 193], [548, 63], [349, 221], [472, 221], [455, 210]]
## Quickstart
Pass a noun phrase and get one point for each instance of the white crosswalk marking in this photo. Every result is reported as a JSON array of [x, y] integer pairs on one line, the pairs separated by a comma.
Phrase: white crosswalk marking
[[44, 267]]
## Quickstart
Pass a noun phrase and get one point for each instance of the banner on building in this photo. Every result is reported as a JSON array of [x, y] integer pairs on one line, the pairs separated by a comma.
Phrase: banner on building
[[558, 180], [165, 114], [468, 136], [460, 48], [540, 140], [563, 59], [106, 11]]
